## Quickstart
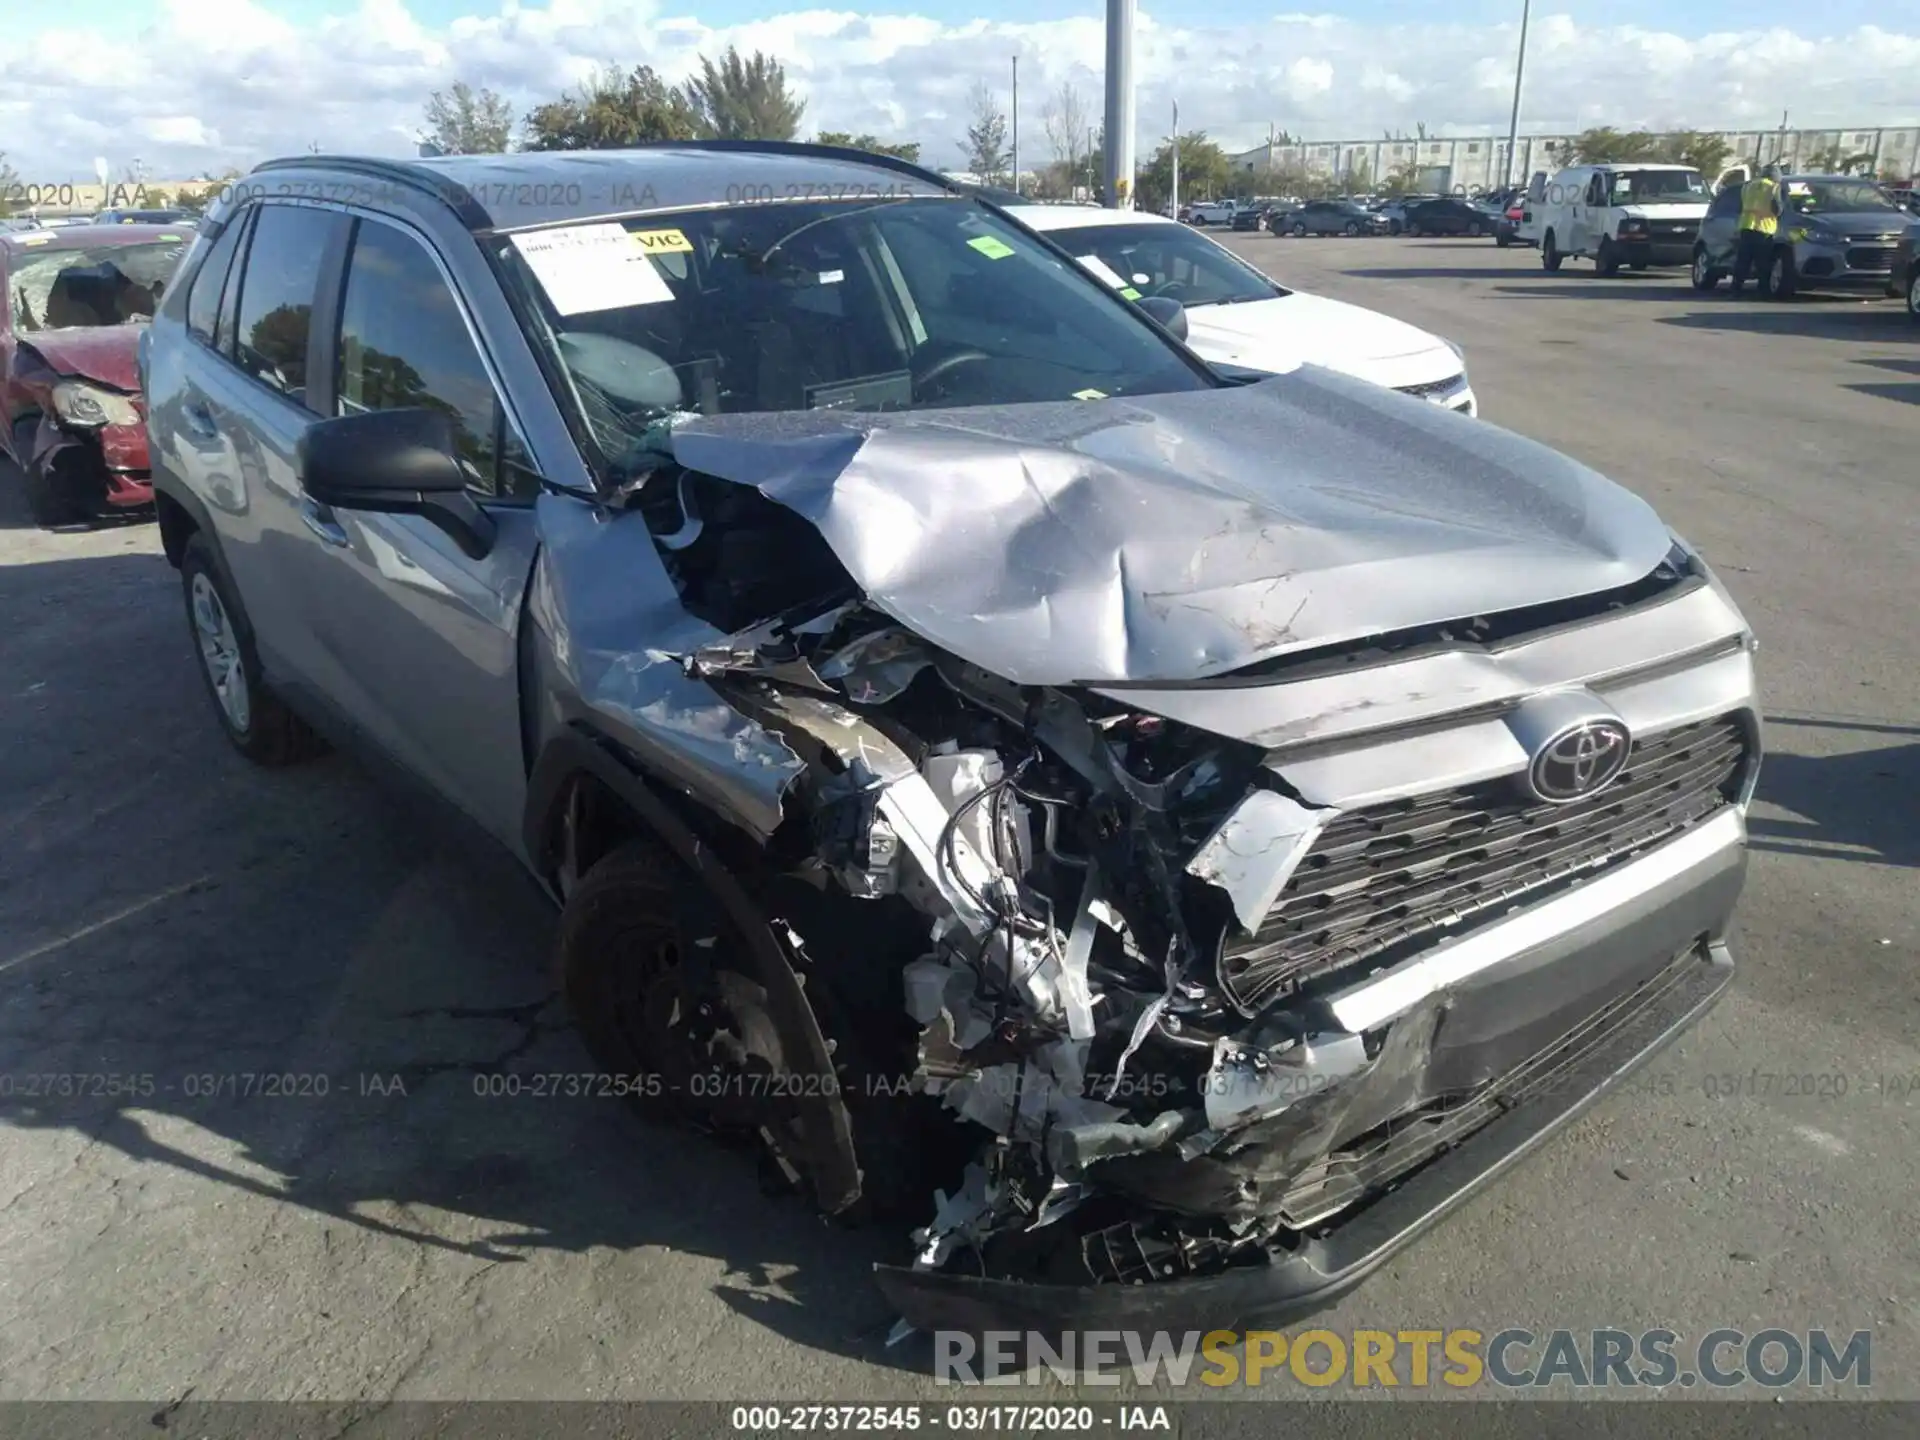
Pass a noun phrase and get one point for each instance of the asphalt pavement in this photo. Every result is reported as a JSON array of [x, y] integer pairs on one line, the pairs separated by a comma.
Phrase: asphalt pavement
[[277, 1168]]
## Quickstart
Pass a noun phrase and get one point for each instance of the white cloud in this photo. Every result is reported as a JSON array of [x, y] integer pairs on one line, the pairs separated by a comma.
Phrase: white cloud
[[241, 83]]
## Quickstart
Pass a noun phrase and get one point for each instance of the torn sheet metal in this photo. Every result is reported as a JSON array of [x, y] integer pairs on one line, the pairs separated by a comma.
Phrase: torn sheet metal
[[1174, 537], [1248, 1082], [878, 666], [1255, 850], [597, 586]]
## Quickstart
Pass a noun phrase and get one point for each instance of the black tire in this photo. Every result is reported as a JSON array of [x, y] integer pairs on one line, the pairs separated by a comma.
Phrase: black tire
[[1350, 229], [48, 504], [1413, 230], [263, 729], [1637, 264], [1394, 227], [1298, 230], [1780, 282], [1502, 239], [1550, 256], [1607, 260], [1479, 232], [1913, 293], [1703, 275]]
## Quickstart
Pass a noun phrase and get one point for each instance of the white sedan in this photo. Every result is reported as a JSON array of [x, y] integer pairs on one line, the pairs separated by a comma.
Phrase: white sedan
[[1237, 316]]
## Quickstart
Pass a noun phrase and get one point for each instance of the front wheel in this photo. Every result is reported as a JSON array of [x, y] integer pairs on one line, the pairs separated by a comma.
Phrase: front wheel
[[1705, 277], [1913, 293], [1550, 256], [1502, 239], [1350, 229], [1779, 283], [1298, 231], [1607, 261]]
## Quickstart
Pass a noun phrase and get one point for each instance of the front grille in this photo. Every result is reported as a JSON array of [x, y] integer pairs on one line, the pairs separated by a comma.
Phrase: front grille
[[1379, 878], [1438, 391], [1870, 257]]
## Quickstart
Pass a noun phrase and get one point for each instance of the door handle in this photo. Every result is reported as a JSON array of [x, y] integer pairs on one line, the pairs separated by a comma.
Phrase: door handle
[[319, 519]]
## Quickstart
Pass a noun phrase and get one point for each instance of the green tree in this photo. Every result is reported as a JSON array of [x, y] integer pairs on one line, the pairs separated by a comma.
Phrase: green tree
[[1205, 171], [9, 185], [985, 144], [464, 121], [1603, 144], [613, 109], [1836, 160], [1701, 149], [743, 99], [900, 150]]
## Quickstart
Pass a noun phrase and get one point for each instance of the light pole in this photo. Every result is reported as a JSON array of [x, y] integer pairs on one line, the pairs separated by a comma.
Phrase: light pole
[[1176, 160], [1519, 69], [1119, 157], [1016, 124]]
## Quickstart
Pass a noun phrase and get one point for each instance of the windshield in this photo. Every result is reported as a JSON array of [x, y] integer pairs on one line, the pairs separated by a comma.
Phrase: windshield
[[92, 285], [1633, 187], [908, 304], [1837, 197], [1166, 260]]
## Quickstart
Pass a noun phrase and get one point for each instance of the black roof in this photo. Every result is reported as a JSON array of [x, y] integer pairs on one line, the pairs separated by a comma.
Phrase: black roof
[[551, 187]]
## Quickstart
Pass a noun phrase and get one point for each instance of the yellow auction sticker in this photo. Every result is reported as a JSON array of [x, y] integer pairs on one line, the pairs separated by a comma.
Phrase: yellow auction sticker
[[1127, 292], [992, 247], [1089, 394], [663, 242]]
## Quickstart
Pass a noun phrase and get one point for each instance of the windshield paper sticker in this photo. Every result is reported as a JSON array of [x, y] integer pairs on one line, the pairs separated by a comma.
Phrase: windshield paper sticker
[[1127, 292], [663, 242], [591, 267], [991, 246], [1105, 271], [1089, 394]]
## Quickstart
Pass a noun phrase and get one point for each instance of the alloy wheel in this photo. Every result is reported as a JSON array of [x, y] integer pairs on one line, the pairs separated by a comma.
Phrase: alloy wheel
[[1913, 294], [220, 653]]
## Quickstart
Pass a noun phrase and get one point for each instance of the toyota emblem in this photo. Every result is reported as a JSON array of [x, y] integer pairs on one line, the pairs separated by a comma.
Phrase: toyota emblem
[[1579, 761]]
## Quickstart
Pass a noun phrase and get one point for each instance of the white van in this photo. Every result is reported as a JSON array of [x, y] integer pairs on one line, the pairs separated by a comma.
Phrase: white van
[[1631, 213]]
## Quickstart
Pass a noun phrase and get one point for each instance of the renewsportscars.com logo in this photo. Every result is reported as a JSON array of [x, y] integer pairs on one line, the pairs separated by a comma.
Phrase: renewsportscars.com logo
[[1459, 1359]]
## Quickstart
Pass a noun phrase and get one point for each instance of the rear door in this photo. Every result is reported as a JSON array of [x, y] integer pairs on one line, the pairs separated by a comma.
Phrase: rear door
[[420, 640], [234, 416], [1720, 231], [1589, 212]]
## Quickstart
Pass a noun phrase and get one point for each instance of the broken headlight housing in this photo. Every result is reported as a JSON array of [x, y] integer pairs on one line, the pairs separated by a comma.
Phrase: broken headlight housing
[[90, 407]]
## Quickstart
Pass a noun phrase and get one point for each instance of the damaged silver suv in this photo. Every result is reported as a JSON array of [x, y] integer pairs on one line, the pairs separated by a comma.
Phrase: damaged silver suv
[[1168, 835]]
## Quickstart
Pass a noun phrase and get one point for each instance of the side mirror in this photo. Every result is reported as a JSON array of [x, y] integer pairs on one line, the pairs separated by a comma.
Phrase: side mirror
[[1169, 314], [395, 462]]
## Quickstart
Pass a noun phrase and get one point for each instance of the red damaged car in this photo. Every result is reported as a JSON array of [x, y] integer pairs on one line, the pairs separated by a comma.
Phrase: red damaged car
[[73, 305]]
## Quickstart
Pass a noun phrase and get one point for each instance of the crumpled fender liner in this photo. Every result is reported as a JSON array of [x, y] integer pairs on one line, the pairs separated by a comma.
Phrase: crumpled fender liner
[[832, 1170], [1294, 1284]]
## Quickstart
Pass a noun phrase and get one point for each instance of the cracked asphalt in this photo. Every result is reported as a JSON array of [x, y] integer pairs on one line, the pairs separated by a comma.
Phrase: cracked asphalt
[[275, 1168]]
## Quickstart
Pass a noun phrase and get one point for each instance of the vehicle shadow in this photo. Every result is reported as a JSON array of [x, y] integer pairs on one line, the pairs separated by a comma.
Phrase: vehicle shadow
[[1825, 317], [1647, 285], [193, 926], [1858, 804], [1907, 392]]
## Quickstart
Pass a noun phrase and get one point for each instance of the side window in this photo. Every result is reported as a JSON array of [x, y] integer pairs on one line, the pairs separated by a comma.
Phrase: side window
[[228, 322], [203, 300], [1726, 203], [404, 343], [1597, 189], [275, 318]]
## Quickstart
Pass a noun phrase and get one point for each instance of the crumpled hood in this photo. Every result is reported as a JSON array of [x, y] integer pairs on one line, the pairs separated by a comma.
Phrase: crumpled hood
[[1175, 537], [106, 353], [1288, 330]]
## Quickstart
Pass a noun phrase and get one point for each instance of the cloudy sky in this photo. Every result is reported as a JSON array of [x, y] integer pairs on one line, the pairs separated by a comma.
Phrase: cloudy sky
[[189, 86]]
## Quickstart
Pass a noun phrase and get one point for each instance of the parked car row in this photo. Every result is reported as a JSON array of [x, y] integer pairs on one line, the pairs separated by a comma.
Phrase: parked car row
[[1032, 702], [1835, 232]]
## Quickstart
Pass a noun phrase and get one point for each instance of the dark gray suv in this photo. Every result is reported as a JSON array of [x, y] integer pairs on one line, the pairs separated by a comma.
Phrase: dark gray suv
[[1206, 825]]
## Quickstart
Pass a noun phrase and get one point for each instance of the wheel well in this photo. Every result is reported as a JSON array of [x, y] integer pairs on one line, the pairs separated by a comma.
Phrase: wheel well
[[176, 526]]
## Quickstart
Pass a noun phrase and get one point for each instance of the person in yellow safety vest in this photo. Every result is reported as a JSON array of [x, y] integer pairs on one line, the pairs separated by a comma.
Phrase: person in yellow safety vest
[[1759, 220]]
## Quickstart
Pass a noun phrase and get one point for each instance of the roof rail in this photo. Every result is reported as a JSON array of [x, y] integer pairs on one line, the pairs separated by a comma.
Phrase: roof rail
[[808, 147], [457, 197]]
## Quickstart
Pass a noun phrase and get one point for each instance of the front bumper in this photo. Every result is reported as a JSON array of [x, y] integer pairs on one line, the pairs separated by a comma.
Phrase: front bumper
[[1828, 267], [1548, 1030], [1658, 250]]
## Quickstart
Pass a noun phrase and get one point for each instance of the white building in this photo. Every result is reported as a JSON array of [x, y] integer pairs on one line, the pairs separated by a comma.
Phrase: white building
[[1473, 163]]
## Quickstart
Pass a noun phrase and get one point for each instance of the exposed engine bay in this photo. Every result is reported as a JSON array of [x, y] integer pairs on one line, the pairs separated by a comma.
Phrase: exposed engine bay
[[1077, 868]]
